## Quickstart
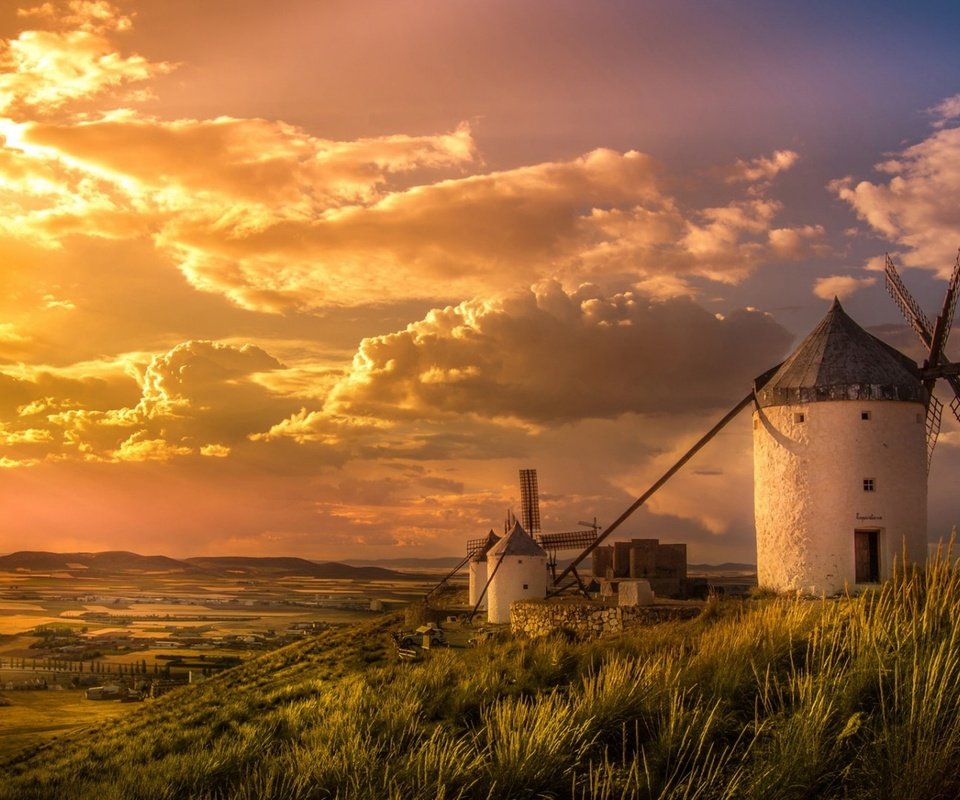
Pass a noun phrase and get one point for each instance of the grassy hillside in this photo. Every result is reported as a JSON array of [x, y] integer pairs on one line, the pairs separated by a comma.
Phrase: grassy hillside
[[856, 698]]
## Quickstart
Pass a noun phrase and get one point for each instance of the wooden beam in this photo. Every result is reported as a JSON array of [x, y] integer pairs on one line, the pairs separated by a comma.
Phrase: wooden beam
[[485, 587], [447, 577], [660, 482]]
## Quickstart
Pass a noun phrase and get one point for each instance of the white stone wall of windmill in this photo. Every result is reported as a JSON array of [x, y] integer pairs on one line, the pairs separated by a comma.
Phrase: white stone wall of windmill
[[477, 571], [840, 492]]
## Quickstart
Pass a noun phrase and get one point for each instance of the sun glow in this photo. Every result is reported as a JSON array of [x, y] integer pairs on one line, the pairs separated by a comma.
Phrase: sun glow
[[273, 273]]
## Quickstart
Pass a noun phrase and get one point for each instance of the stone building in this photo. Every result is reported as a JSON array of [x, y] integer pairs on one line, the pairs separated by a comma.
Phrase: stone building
[[664, 566]]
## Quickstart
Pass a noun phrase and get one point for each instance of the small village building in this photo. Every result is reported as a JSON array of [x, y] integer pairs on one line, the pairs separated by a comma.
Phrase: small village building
[[840, 462], [517, 568], [108, 692], [430, 635]]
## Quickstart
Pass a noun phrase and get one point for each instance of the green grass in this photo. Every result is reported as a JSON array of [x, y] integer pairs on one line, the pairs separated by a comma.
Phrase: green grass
[[768, 698], [29, 718]]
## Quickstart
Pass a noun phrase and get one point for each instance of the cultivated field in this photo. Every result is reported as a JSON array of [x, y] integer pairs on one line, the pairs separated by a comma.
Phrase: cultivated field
[[132, 628]]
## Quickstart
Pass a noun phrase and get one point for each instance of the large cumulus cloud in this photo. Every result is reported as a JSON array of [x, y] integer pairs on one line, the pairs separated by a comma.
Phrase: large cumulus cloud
[[546, 355], [199, 399]]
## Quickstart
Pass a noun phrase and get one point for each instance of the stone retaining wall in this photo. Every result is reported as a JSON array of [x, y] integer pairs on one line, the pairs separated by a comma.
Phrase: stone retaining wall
[[588, 620]]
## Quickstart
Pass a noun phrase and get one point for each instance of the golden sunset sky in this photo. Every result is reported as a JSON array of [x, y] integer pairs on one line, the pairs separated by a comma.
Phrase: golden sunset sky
[[316, 277]]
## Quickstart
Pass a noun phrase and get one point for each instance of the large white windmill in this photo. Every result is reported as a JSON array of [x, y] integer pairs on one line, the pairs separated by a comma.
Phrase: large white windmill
[[843, 433], [840, 461]]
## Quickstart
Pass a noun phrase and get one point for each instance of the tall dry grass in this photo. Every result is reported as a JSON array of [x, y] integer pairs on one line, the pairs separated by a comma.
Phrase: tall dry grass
[[780, 698]]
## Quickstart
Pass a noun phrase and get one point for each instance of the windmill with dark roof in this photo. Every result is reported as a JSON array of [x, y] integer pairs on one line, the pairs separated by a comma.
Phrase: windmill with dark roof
[[840, 461], [518, 571], [843, 431]]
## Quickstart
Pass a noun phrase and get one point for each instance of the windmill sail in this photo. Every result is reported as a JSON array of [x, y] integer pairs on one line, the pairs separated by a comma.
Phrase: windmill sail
[[934, 414], [908, 306], [949, 307], [934, 336], [950, 302], [530, 501]]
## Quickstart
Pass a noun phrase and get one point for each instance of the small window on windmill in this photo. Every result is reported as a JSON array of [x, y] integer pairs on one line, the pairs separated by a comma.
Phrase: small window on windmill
[[799, 417], [866, 415], [869, 485], [525, 586]]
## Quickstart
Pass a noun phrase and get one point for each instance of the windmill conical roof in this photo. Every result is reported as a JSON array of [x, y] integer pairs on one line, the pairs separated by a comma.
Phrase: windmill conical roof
[[839, 360], [491, 540], [516, 543]]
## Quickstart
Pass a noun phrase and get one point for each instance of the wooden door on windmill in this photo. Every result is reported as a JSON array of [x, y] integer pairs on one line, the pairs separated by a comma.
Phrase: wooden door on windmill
[[866, 549]]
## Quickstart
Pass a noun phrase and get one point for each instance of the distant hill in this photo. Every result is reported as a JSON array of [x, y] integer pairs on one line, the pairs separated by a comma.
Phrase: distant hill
[[115, 561], [448, 562], [293, 566], [110, 561], [119, 561], [728, 566]]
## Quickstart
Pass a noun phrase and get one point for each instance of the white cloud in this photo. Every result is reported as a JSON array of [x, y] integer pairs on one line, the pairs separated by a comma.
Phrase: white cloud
[[918, 206], [945, 111], [761, 168], [841, 286]]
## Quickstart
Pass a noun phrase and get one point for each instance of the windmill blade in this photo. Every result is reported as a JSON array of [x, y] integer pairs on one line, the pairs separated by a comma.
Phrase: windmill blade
[[937, 346], [950, 302], [908, 306], [941, 329], [955, 403], [530, 502], [934, 412], [949, 372]]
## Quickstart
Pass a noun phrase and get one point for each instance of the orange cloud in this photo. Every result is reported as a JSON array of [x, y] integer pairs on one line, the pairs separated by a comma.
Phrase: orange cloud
[[45, 70], [542, 356], [761, 168], [97, 16], [602, 216], [139, 448], [198, 398], [273, 218], [267, 166]]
